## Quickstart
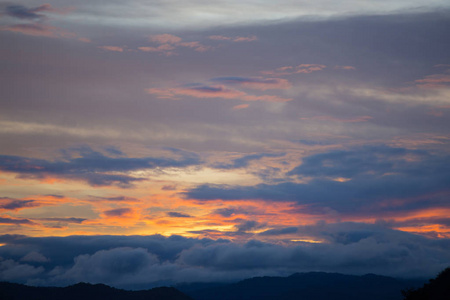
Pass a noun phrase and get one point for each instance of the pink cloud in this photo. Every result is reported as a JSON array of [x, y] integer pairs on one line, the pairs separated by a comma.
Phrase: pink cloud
[[39, 30], [241, 106], [245, 39], [219, 38], [344, 68], [216, 91], [112, 48], [234, 39], [196, 45], [333, 119], [165, 39], [169, 42], [165, 49], [435, 80]]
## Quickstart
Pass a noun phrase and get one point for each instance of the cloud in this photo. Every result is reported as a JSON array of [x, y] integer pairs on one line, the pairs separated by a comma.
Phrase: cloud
[[22, 12], [64, 220], [258, 83], [169, 43], [112, 48], [169, 188], [299, 69], [15, 221], [93, 167], [433, 81], [249, 225], [139, 261], [340, 120], [34, 257], [352, 181], [237, 39], [16, 204], [116, 199], [118, 212], [240, 106], [39, 30], [11, 270], [165, 39], [174, 214], [349, 68], [212, 91], [279, 231], [244, 161]]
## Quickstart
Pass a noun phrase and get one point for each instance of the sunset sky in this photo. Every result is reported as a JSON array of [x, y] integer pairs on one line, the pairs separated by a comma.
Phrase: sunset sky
[[146, 142]]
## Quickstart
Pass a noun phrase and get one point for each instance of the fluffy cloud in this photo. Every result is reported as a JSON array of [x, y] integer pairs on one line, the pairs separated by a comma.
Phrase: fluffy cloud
[[350, 248]]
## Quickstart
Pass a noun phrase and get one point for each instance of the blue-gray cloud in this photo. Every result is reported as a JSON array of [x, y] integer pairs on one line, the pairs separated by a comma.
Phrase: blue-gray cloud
[[13, 204], [143, 261], [93, 166], [279, 231], [244, 161], [118, 212], [175, 214], [375, 174]]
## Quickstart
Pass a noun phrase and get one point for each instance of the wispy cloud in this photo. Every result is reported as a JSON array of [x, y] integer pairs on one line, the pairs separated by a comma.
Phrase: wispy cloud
[[258, 83], [212, 91], [237, 39], [168, 43], [299, 69]]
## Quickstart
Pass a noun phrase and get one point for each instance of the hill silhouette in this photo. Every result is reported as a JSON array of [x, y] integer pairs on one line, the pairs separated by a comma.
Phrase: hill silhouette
[[435, 289], [85, 291], [306, 286]]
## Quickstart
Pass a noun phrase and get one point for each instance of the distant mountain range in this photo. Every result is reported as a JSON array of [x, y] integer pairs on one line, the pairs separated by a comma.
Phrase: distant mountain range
[[86, 291], [304, 286]]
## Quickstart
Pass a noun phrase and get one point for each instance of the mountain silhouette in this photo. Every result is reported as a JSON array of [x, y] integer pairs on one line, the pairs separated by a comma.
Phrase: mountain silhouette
[[435, 289], [306, 286], [85, 291]]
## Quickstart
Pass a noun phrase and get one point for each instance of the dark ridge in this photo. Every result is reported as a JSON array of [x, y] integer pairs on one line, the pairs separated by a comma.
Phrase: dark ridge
[[435, 289], [85, 291], [309, 286]]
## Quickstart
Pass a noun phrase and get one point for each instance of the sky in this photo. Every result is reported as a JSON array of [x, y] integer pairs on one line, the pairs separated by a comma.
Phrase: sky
[[157, 142]]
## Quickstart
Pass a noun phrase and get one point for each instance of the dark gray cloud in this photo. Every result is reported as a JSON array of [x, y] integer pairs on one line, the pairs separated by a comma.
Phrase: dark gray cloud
[[139, 261], [175, 214], [92, 166], [248, 225], [279, 231], [64, 220], [13, 204], [22, 12], [118, 212], [15, 221]]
